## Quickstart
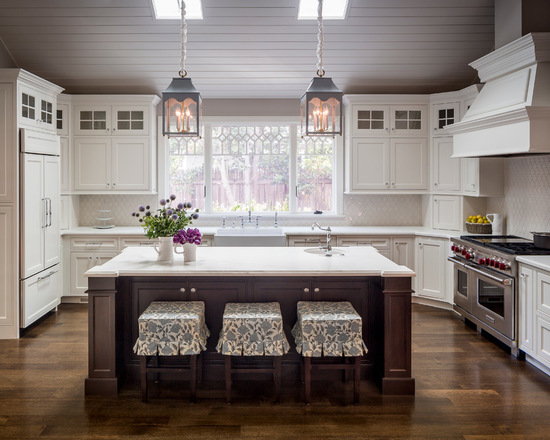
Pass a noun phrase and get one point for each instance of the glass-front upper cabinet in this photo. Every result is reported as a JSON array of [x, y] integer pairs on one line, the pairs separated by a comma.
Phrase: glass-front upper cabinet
[[443, 115], [36, 110], [389, 120], [112, 120]]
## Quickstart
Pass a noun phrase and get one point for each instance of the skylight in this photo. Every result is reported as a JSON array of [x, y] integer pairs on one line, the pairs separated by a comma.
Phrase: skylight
[[170, 9], [332, 9]]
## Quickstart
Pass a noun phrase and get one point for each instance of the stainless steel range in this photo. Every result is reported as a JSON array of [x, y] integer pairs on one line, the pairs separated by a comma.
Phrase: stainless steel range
[[485, 280]]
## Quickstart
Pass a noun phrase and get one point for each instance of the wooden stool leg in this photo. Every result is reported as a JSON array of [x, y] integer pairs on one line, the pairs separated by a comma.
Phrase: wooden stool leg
[[143, 376], [228, 379], [307, 368], [356, 379], [302, 378], [277, 377], [156, 365], [193, 380], [199, 368]]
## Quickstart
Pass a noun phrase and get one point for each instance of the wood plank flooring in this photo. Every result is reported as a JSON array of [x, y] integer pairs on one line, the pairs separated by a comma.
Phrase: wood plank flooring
[[467, 388]]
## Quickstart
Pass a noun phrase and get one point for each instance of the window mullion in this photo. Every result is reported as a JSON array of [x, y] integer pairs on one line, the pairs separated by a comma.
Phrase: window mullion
[[208, 166], [293, 169]]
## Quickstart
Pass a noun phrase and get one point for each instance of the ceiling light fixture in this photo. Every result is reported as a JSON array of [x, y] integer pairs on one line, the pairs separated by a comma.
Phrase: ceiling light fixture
[[321, 106], [181, 102]]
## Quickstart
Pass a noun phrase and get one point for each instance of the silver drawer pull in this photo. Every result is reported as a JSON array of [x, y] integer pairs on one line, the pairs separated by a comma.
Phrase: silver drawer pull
[[45, 276], [490, 318], [306, 290], [316, 290], [193, 290], [91, 243], [182, 290]]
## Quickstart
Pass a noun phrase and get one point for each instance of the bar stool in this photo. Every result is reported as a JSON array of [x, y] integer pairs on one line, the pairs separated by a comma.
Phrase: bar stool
[[171, 328], [253, 329], [329, 329]]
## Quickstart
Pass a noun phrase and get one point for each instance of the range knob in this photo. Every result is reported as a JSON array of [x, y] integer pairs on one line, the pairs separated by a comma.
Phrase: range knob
[[482, 261], [492, 262], [453, 248]]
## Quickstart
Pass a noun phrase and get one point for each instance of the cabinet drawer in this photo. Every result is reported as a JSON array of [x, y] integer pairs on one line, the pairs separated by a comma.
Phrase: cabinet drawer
[[380, 243], [136, 241], [91, 243], [207, 240], [309, 241]]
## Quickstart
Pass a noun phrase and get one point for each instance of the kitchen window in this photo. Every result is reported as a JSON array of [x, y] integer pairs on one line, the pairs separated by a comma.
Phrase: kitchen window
[[264, 167]]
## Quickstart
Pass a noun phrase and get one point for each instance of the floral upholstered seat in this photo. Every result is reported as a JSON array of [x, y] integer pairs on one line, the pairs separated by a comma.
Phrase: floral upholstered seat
[[171, 328], [252, 329], [328, 328]]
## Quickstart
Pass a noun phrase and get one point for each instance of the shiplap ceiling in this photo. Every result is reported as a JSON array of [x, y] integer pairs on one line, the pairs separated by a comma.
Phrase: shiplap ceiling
[[249, 48]]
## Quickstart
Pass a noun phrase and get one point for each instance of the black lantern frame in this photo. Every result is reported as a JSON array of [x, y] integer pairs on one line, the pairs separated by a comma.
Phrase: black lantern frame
[[321, 108], [181, 109]]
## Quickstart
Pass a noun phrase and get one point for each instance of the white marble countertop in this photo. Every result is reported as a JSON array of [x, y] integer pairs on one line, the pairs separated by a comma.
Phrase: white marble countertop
[[538, 261], [288, 230], [259, 261]]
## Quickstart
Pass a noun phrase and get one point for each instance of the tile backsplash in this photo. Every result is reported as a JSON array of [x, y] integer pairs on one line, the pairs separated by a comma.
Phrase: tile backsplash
[[359, 210], [526, 201]]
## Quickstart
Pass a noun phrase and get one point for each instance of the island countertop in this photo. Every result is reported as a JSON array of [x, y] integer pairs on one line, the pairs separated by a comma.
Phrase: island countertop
[[253, 261]]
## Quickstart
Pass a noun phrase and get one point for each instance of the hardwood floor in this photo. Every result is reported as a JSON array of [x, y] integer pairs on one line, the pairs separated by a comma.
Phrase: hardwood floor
[[467, 387]]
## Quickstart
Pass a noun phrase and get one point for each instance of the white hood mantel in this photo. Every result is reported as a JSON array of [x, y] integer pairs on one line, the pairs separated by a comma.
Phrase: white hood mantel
[[511, 114]]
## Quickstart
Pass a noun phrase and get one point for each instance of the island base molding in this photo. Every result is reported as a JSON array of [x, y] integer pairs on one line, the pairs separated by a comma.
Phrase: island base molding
[[115, 304]]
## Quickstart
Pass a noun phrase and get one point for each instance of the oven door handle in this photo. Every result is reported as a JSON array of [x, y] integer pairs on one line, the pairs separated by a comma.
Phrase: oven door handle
[[503, 281]]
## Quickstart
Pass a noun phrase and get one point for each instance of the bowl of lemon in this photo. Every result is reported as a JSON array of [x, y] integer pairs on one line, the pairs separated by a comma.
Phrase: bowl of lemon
[[478, 224]]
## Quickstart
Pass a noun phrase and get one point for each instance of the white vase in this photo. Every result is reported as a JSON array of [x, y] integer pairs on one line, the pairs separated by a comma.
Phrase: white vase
[[165, 249], [189, 252]]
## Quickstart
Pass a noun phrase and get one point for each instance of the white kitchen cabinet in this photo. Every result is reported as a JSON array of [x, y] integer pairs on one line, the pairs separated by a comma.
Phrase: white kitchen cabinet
[[402, 251], [388, 164], [431, 268], [39, 295], [37, 109], [104, 164], [82, 262], [375, 120], [381, 244], [444, 114], [64, 161], [62, 117], [482, 177], [116, 120], [526, 309], [446, 172], [534, 315], [447, 213]]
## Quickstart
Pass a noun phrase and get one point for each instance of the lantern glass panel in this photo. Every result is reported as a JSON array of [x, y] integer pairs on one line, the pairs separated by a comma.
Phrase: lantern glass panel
[[181, 116], [323, 115]]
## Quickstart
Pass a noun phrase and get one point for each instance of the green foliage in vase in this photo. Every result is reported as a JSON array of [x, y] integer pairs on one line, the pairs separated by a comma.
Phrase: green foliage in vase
[[166, 220]]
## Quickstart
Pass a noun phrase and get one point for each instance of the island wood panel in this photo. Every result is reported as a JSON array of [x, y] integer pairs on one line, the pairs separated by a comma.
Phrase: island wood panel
[[383, 303]]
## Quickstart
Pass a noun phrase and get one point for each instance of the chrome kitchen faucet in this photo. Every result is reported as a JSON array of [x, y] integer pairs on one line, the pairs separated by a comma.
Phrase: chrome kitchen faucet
[[328, 247]]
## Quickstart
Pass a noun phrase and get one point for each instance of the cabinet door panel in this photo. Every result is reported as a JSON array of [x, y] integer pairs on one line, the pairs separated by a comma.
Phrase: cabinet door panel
[[403, 252], [526, 310], [130, 164], [287, 294], [34, 214], [64, 158], [370, 120], [430, 263], [52, 245], [408, 120], [8, 171], [370, 164], [543, 339], [92, 161], [445, 170], [446, 211], [80, 263], [130, 120], [92, 120], [409, 164], [216, 294], [543, 293]]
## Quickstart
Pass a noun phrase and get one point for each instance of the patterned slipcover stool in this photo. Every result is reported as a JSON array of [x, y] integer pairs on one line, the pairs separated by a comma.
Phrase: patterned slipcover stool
[[171, 328], [329, 329], [253, 329]]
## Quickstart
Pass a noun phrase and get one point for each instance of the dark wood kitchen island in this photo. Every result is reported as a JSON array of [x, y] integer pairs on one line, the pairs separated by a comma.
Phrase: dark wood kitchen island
[[121, 289]]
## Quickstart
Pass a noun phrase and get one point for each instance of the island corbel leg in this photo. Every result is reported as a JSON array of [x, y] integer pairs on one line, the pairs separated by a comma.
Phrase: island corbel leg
[[102, 345], [397, 373]]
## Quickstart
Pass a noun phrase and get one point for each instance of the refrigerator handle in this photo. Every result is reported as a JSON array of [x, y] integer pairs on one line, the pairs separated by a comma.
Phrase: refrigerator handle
[[50, 211], [45, 219]]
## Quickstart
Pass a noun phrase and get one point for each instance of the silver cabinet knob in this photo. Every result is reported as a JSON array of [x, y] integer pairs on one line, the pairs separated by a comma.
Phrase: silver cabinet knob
[[193, 290], [306, 289], [316, 290], [182, 290]]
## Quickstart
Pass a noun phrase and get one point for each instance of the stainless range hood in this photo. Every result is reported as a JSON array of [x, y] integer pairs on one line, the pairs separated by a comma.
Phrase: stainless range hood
[[511, 114]]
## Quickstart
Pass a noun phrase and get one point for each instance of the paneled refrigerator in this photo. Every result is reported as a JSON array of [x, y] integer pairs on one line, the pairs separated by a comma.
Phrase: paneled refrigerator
[[40, 283]]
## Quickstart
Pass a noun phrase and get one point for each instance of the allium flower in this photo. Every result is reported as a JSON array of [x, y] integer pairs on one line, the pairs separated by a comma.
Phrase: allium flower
[[166, 220], [172, 197]]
